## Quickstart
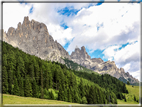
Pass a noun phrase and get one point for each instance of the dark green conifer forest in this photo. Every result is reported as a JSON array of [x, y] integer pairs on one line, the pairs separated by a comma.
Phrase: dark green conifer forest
[[29, 76]]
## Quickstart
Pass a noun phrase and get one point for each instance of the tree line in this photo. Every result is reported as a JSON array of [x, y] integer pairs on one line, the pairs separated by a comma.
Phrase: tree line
[[29, 76]]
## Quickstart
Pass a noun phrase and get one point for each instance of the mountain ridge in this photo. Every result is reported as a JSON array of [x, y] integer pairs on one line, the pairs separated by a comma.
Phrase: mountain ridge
[[99, 66], [33, 37]]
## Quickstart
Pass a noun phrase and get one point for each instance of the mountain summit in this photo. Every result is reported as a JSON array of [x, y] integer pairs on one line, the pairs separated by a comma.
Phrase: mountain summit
[[33, 38], [98, 65]]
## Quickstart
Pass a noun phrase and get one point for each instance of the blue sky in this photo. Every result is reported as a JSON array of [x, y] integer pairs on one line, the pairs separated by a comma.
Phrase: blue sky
[[70, 11], [108, 33]]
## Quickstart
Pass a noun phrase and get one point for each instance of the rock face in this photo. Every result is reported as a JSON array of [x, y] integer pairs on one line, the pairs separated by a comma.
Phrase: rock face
[[98, 65], [32, 37]]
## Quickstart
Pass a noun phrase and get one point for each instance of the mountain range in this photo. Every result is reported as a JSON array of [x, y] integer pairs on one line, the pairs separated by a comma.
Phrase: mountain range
[[33, 38]]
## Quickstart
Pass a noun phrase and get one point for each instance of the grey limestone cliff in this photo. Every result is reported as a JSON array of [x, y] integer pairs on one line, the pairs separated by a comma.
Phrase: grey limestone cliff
[[98, 65], [32, 37]]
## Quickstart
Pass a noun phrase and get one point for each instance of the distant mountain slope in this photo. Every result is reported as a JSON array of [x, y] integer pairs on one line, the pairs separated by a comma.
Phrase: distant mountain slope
[[33, 38], [30, 76], [72, 65], [98, 65]]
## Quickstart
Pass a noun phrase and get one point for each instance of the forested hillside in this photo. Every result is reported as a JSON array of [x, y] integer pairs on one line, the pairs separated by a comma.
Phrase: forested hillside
[[29, 76], [106, 81], [74, 66]]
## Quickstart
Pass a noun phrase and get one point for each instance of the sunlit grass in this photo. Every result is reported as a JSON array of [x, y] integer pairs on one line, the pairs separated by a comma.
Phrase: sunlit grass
[[13, 99], [133, 91]]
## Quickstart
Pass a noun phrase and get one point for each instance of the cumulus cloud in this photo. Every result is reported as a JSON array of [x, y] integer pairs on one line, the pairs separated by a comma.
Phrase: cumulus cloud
[[43, 12], [127, 58], [105, 27], [13, 13], [114, 23]]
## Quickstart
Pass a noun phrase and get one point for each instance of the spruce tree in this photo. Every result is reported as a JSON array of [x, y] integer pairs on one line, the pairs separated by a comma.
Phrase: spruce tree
[[10, 80], [134, 98], [34, 88], [81, 88], [125, 98], [16, 87], [69, 95], [46, 76], [60, 96], [50, 79], [4, 63], [4, 80], [21, 87], [20, 67], [27, 89]]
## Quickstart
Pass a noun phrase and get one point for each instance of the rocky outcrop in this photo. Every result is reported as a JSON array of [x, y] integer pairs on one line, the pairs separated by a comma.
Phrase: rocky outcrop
[[32, 37], [98, 65]]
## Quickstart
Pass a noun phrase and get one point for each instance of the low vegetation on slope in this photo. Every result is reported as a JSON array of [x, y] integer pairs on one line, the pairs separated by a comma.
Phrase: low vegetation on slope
[[29, 76], [13, 99], [105, 81], [132, 97], [74, 66]]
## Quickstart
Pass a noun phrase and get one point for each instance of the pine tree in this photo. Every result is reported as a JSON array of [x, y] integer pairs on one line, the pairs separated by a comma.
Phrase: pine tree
[[10, 80], [92, 98], [20, 66], [16, 87], [50, 79], [4, 63], [69, 96], [42, 94], [125, 99], [128, 83], [21, 86], [134, 98], [46, 76], [4, 80], [81, 88], [34, 88], [27, 89], [60, 96], [37, 74], [31, 70]]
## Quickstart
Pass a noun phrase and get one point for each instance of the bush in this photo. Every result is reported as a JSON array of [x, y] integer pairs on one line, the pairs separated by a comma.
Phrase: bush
[[53, 94], [84, 100]]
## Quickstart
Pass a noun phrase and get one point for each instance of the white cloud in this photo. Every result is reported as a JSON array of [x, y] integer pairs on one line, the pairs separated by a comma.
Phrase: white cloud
[[114, 30], [13, 13], [42, 12], [110, 52], [114, 27], [127, 58]]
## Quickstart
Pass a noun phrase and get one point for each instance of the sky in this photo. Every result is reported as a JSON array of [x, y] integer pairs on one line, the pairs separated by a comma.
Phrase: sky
[[110, 31]]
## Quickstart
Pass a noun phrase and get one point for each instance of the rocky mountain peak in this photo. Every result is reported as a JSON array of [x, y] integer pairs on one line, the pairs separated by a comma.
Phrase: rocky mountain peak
[[98, 65], [83, 49], [32, 37], [26, 20], [80, 54]]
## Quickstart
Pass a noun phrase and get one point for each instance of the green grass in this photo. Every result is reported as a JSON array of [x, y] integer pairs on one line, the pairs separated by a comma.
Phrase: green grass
[[128, 102], [130, 96], [133, 90], [13, 99]]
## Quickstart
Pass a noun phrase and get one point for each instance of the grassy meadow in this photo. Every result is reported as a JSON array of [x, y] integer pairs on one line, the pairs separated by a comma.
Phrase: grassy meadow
[[13, 99], [133, 91]]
